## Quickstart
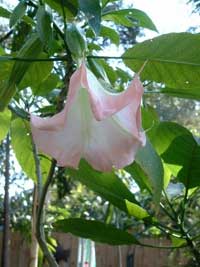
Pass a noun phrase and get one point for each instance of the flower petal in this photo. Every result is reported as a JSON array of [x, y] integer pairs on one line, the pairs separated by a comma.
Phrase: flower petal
[[110, 146], [114, 141], [87, 127], [104, 103]]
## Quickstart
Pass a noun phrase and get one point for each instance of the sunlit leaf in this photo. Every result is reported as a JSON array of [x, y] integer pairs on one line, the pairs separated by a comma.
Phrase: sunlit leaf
[[22, 146], [179, 151], [172, 59], [31, 49], [5, 117], [130, 17]]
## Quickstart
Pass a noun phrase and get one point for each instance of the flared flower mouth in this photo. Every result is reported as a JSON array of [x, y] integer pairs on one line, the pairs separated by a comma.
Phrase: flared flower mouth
[[99, 126]]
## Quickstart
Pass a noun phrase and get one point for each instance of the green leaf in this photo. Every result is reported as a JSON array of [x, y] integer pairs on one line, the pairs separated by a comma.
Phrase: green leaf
[[104, 3], [31, 49], [92, 10], [70, 7], [110, 33], [22, 146], [130, 17], [17, 13], [102, 70], [179, 151], [178, 241], [150, 120], [173, 59], [4, 13], [5, 118], [36, 74], [5, 69], [75, 40], [149, 169], [110, 72], [95, 230], [97, 69], [107, 185], [124, 76], [191, 93], [136, 211], [44, 28], [47, 85]]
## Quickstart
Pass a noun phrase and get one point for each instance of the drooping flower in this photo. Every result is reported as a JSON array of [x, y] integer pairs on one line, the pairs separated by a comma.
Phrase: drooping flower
[[99, 126]]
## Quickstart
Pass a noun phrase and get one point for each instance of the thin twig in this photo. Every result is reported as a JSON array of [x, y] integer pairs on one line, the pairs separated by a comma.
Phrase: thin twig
[[6, 36], [64, 15], [22, 114]]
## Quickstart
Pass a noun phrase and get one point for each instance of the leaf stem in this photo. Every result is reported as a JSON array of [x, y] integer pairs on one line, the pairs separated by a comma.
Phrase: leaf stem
[[6, 36], [180, 225], [20, 113], [170, 204], [64, 15], [40, 217], [42, 191], [183, 206]]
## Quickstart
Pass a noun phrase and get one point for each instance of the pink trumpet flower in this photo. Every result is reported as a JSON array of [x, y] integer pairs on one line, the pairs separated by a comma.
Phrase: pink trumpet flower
[[102, 127]]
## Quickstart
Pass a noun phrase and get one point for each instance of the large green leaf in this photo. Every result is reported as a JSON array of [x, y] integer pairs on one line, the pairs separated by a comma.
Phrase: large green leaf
[[4, 12], [172, 59], [17, 13], [95, 230], [70, 7], [110, 33], [22, 146], [107, 185], [192, 93], [44, 28], [179, 151], [5, 69], [130, 17], [46, 86], [5, 117], [31, 49], [92, 10], [147, 170], [36, 74]]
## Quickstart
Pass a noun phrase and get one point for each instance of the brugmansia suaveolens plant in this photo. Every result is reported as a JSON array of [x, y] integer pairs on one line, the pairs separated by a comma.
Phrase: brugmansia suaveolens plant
[[102, 127]]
